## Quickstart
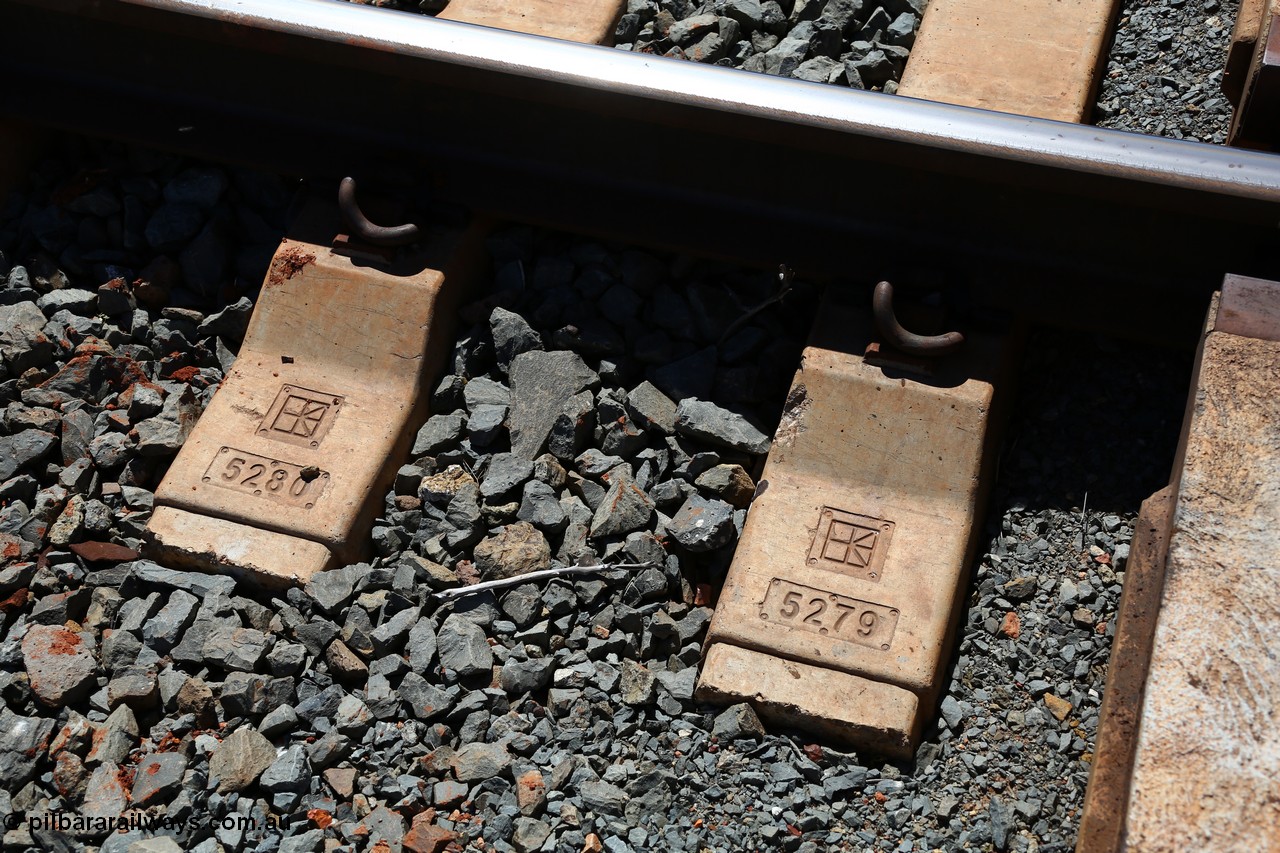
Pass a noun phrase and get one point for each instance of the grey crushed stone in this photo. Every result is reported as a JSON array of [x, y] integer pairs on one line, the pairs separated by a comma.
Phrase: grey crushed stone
[[1164, 70], [135, 686], [482, 391], [540, 506], [624, 508], [235, 648], [506, 471], [421, 645], [703, 524], [20, 738], [664, 772], [194, 583], [239, 760], [476, 761], [542, 384], [289, 774], [720, 427], [462, 647], [737, 721], [438, 432], [512, 335], [651, 408], [163, 630]]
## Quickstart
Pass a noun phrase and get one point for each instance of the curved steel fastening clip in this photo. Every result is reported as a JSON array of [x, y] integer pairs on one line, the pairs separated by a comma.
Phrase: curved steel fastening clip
[[925, 346], [360, 226]]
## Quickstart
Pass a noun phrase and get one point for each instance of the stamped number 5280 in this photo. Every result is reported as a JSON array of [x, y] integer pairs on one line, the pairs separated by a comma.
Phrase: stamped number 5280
[[273, 479]]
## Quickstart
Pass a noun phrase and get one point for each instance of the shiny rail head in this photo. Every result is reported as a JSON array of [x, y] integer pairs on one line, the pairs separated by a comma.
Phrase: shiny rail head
[[1059, 145]]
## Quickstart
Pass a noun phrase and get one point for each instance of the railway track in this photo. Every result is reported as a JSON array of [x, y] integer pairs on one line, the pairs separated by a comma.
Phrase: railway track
[[337, 689], [1002, 192]]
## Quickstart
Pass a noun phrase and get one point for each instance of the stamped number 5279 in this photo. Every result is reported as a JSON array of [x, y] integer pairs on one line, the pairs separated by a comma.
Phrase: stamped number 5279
[[830, 614]]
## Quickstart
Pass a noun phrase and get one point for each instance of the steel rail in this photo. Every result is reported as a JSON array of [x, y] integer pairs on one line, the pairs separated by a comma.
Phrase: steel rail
[[1067, 222], [1023, 139]]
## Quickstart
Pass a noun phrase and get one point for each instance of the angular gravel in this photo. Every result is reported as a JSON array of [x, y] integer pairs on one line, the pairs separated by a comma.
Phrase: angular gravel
[[1164, 73], [363, 711]]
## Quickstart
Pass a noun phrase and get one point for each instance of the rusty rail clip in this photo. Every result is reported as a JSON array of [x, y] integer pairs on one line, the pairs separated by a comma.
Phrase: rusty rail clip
[[360, 226], [923, 346]]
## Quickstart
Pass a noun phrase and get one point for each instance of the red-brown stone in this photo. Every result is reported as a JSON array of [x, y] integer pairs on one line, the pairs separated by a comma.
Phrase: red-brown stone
[[1011, 626], [16, 601], [426, 837], [96, 552]]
